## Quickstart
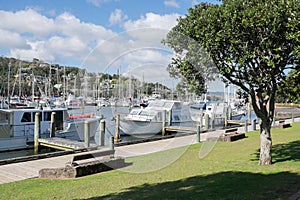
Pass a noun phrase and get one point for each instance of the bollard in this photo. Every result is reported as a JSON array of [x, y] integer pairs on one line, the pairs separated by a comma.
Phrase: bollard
[[102, 132], [37, 130], [112, 143], [293, 118], [254, 124], [198, 133], [86, 133], [206, 118], [117, 135], [246, 126], [52, 125], [163, 130]]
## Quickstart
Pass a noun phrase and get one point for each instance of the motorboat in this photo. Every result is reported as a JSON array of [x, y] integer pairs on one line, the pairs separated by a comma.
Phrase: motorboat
[[17, 125], [148, 120]]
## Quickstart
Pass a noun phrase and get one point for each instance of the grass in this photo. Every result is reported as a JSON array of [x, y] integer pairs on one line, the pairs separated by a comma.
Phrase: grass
[[229, 171]]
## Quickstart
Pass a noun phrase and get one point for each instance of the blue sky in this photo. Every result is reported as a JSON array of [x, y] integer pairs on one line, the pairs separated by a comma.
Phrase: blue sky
[[100, 35]]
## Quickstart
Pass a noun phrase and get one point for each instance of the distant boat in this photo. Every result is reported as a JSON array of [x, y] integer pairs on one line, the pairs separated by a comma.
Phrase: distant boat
[[148, 120]]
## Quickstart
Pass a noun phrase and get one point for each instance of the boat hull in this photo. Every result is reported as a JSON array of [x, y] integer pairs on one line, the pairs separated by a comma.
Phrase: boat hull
[[131, 127]]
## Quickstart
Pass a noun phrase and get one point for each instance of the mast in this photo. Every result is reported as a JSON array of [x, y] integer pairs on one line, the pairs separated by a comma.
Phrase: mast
[[8, 79], [20, 78]]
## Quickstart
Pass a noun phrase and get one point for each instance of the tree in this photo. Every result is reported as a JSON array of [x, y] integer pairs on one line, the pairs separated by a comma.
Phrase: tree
[[251, 42], [289, 89]]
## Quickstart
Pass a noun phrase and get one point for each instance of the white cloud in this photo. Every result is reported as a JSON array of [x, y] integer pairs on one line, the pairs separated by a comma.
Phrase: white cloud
[[97, 3], [64, 38], [117, 17], [26, 21], [171, 3], [12, 39]]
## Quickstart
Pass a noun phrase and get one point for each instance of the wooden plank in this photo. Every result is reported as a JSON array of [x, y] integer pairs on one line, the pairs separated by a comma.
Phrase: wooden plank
[[61, 143]]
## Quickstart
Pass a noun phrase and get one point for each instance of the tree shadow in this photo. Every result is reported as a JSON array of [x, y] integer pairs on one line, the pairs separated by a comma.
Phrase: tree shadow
[[283, 152], [224, 185]]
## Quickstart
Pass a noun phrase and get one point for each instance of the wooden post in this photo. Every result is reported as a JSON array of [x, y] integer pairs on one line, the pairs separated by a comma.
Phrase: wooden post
[[163, 123], [117, 135], [249, 113], [198, 133], [254, 124], [102, 132], [87, 133], [201, 117], [37, 130], [206, 118], [169, 117], [225, 117], [52, 125], [213, 121], [246, 126], [111, 143]]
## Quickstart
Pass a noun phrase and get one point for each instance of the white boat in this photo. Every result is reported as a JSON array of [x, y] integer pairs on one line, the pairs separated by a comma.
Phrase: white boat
[[17, 125], [75, 126], [148, 120], [214, 110]]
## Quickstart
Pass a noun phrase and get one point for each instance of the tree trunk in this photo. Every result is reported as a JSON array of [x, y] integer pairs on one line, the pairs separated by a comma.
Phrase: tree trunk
[[265, 144]]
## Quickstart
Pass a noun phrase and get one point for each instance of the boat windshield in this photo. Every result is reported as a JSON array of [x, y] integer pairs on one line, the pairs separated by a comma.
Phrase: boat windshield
[[161, 104], [148, 113]]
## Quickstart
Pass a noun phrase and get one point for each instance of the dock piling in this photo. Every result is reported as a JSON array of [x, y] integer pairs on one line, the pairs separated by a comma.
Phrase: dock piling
[[117, 135], [52, 125], [163, 123], [206, 118], [246, 126], [198, 133], [87, 133], [254, 124], [102, 132], [170, 118], [37, 130], [112, 143]]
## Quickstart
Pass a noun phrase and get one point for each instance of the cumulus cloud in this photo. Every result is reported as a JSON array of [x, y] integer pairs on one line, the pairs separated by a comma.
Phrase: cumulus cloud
[[117, 17], [65, 38], [171, 3]]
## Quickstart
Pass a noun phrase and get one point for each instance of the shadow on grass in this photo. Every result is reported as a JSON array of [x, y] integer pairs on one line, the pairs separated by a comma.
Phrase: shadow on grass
[[225, 185], [284, 152]]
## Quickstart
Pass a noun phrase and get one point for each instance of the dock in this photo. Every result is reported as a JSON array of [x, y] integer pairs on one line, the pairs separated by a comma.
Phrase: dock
[[63, 144], [183, 129]]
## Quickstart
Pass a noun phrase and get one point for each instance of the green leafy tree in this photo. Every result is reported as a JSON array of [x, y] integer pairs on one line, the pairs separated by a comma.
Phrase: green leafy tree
[[251, 42], [289, 89]]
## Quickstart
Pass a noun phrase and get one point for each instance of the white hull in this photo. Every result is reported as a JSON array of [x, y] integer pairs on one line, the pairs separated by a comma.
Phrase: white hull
[[13, 143], [131, 127], [75, 129]]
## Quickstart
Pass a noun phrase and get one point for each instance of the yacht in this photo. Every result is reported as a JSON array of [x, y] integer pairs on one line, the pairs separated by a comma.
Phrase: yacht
[[148, 120]]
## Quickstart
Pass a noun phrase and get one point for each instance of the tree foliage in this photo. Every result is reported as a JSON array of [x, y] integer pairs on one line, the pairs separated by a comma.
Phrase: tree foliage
[[289, 89], [251, 43]]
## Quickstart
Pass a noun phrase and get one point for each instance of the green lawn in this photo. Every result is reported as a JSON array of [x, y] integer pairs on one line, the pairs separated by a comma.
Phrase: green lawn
[[229, 171]]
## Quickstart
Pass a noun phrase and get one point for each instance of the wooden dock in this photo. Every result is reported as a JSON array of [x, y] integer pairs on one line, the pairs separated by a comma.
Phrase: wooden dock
[[182, 129], [63, 144]]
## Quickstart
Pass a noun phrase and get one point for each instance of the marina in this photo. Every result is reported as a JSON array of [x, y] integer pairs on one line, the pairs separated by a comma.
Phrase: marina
[[30, 168]]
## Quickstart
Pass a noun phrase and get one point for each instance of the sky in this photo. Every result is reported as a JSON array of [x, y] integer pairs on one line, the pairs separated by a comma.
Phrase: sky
[[106, 36]]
